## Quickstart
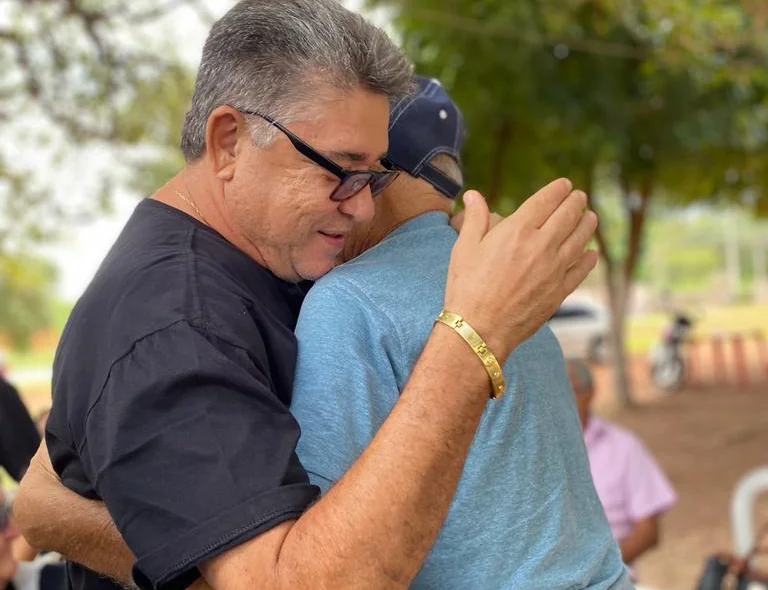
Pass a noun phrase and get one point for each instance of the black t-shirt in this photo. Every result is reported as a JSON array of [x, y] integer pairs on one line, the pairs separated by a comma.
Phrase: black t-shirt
[[171, 387], [19, 438]]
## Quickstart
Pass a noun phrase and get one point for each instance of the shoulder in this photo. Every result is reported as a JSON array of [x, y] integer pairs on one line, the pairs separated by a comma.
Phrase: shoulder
[[621, 435], [622, 440], [342, 296], [182, 354]]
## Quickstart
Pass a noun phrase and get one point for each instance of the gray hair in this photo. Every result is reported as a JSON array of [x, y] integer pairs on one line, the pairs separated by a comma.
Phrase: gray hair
[[448, 166], [273, 56], [581, 375]]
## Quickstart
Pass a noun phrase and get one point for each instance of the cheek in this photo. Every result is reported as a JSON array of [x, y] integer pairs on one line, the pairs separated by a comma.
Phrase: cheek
[[307, 203]]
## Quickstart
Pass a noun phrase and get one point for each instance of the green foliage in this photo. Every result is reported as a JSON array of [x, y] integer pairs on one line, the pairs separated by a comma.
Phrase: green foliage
[[632, 100], [78, 74], [25, 286], [560, 87]]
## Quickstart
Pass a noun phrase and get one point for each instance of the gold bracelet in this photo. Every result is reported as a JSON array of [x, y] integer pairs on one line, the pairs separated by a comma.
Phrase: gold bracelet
[[480, 348]]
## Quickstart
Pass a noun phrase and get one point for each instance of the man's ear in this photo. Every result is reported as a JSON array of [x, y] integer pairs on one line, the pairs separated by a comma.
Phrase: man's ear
[[223, 130]]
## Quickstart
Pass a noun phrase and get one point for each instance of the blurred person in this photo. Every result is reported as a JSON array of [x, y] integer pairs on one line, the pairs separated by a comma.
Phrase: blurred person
[[633, 489], [525, 514], [19, 437], [8, 533], [173, 377]]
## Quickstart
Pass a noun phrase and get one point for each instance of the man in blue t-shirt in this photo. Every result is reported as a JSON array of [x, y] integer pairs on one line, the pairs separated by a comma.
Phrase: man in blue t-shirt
[[525, 514]]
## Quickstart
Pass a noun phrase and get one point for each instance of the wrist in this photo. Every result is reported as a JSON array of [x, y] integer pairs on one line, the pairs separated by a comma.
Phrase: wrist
[[479, 346], [501, 341], [457, 363]]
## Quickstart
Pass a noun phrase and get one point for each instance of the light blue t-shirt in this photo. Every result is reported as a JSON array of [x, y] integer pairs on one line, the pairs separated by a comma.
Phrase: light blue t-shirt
[[525, 514]]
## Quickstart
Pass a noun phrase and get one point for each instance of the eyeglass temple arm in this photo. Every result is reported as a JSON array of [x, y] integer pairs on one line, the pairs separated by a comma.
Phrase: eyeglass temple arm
[[301, 146]]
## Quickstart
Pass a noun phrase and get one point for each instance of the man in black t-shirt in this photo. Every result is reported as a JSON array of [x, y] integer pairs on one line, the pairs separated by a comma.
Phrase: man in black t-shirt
[[173, 378]]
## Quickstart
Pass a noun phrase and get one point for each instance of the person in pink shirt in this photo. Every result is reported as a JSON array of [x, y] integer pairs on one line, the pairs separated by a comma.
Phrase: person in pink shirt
[[633, 489]]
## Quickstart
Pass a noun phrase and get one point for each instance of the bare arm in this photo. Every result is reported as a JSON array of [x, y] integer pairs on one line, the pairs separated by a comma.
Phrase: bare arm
[[644, 536], [55, 518], [58, 519], [376, 525]]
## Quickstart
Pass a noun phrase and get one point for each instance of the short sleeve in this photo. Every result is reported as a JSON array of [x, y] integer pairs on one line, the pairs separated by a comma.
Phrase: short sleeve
[[192, 453], [345, 385], [647, 488]]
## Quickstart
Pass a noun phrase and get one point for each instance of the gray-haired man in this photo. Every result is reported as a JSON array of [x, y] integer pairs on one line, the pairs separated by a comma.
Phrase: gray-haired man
[[173, 377]]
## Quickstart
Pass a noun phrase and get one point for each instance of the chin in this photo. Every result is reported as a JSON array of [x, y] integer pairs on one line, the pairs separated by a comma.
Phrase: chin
[[311, 271]]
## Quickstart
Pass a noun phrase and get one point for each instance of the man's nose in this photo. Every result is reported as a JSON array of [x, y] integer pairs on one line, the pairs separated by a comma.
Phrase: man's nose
[[359, 207]]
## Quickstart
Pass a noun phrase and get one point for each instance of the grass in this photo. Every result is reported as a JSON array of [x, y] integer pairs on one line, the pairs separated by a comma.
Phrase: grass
[[644, 330], [32, 358]]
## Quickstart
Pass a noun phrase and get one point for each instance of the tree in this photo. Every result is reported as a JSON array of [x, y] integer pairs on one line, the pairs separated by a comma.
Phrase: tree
[[78, 74], [635, 98], [25, 282]]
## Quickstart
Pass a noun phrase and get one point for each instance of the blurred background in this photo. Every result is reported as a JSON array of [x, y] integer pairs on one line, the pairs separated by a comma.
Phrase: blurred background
[[658, 109]]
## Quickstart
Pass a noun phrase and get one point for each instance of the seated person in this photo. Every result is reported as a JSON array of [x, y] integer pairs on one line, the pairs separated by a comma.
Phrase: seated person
[[525, 514], [633, 489]]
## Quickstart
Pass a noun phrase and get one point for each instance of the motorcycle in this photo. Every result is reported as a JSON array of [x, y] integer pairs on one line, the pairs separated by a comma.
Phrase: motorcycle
[[667, 364]]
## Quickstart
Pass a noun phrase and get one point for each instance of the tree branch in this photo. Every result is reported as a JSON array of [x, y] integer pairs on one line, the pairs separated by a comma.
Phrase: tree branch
[[137, 18]]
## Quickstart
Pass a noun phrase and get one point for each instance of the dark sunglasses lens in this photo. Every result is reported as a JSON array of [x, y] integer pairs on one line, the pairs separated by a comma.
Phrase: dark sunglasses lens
[[382, 181], [351, 185]]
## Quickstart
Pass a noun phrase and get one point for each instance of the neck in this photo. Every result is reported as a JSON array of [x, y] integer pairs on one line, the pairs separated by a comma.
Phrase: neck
[[204, 197], [584, 416], [395, 208]]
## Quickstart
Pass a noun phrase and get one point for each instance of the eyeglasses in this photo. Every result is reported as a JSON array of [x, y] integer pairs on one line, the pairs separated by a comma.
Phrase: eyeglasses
[[351, 181]]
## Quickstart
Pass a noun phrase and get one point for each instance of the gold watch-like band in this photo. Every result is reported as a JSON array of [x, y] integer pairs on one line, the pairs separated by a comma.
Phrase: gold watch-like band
[[478, 345]]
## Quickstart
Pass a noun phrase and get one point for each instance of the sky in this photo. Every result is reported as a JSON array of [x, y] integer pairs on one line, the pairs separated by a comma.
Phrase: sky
[[86, 245]]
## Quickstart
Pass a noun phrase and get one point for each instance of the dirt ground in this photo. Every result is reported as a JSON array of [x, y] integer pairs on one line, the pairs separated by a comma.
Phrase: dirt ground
[[706, 438]]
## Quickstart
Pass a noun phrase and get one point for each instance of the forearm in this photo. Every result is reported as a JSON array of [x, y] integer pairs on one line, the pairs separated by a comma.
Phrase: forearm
[[645, 536], [55, 518], [374, 528]]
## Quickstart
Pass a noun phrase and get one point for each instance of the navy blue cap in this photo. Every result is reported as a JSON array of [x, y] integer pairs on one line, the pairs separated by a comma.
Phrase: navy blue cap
[[422, 125]]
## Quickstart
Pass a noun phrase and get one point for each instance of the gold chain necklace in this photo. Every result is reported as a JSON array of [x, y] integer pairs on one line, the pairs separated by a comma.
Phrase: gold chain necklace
[[192, 204]]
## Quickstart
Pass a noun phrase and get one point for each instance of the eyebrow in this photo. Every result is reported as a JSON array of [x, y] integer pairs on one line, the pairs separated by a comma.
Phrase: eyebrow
[[353, 156]]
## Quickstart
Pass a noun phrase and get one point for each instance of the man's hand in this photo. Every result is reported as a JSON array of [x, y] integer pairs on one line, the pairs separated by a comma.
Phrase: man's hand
[[507, 281], [457, 220]]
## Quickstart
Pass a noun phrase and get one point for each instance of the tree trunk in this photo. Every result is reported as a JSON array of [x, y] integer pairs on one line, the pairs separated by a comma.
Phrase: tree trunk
[[497, 174], [618, 276], [616, 286], [760, 269], [617, 297], [621, 281], [732, 258]]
